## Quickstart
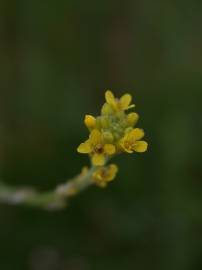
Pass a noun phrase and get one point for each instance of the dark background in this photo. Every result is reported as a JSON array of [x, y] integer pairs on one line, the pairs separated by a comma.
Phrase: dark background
[[57, 58]]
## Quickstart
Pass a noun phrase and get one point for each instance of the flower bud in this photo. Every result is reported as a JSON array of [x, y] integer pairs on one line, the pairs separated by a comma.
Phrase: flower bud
[[107, 109], [108, 137], [90, 121], [132, 118]]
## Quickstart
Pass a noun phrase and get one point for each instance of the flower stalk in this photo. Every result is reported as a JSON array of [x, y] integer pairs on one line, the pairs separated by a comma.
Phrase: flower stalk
[[51, 200]]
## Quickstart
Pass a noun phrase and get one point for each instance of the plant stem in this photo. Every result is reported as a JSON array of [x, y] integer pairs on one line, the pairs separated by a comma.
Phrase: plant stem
[[55, 199]]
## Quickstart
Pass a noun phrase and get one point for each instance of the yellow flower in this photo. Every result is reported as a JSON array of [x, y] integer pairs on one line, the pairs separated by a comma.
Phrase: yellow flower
[[105, 174], [97, 147], [121, 104], [131, 142], [90, 121]]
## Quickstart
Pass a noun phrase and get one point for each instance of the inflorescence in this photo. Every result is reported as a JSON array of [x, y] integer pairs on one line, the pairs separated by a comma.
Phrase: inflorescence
[[112, 133]]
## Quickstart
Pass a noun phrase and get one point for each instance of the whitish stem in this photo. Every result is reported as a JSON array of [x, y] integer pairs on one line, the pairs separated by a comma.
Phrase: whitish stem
[[55, 199]]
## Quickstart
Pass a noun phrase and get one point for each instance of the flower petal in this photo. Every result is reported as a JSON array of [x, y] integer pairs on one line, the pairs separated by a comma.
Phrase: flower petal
[[98, 159], [109, 149], [85, 148], [96, 137], [125, 101], [112, 172], [140, 146], [136, 134], [109, 96]]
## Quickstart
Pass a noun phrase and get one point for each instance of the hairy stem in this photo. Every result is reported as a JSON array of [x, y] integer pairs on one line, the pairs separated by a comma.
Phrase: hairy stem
[[55, 199]]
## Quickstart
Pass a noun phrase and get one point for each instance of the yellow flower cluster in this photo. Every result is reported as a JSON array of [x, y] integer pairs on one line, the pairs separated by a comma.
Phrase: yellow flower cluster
[[103, 175], [111, 133]]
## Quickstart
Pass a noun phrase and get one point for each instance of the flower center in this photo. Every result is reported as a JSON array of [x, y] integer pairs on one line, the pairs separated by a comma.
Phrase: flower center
[[104, 174], [98, 149], [130, 144]]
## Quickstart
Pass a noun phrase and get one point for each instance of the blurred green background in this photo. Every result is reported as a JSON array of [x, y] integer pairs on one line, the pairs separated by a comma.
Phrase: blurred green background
[[57, 58]]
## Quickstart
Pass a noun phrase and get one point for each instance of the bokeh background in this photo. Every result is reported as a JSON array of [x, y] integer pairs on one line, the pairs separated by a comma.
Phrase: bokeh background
[[56, 60]]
